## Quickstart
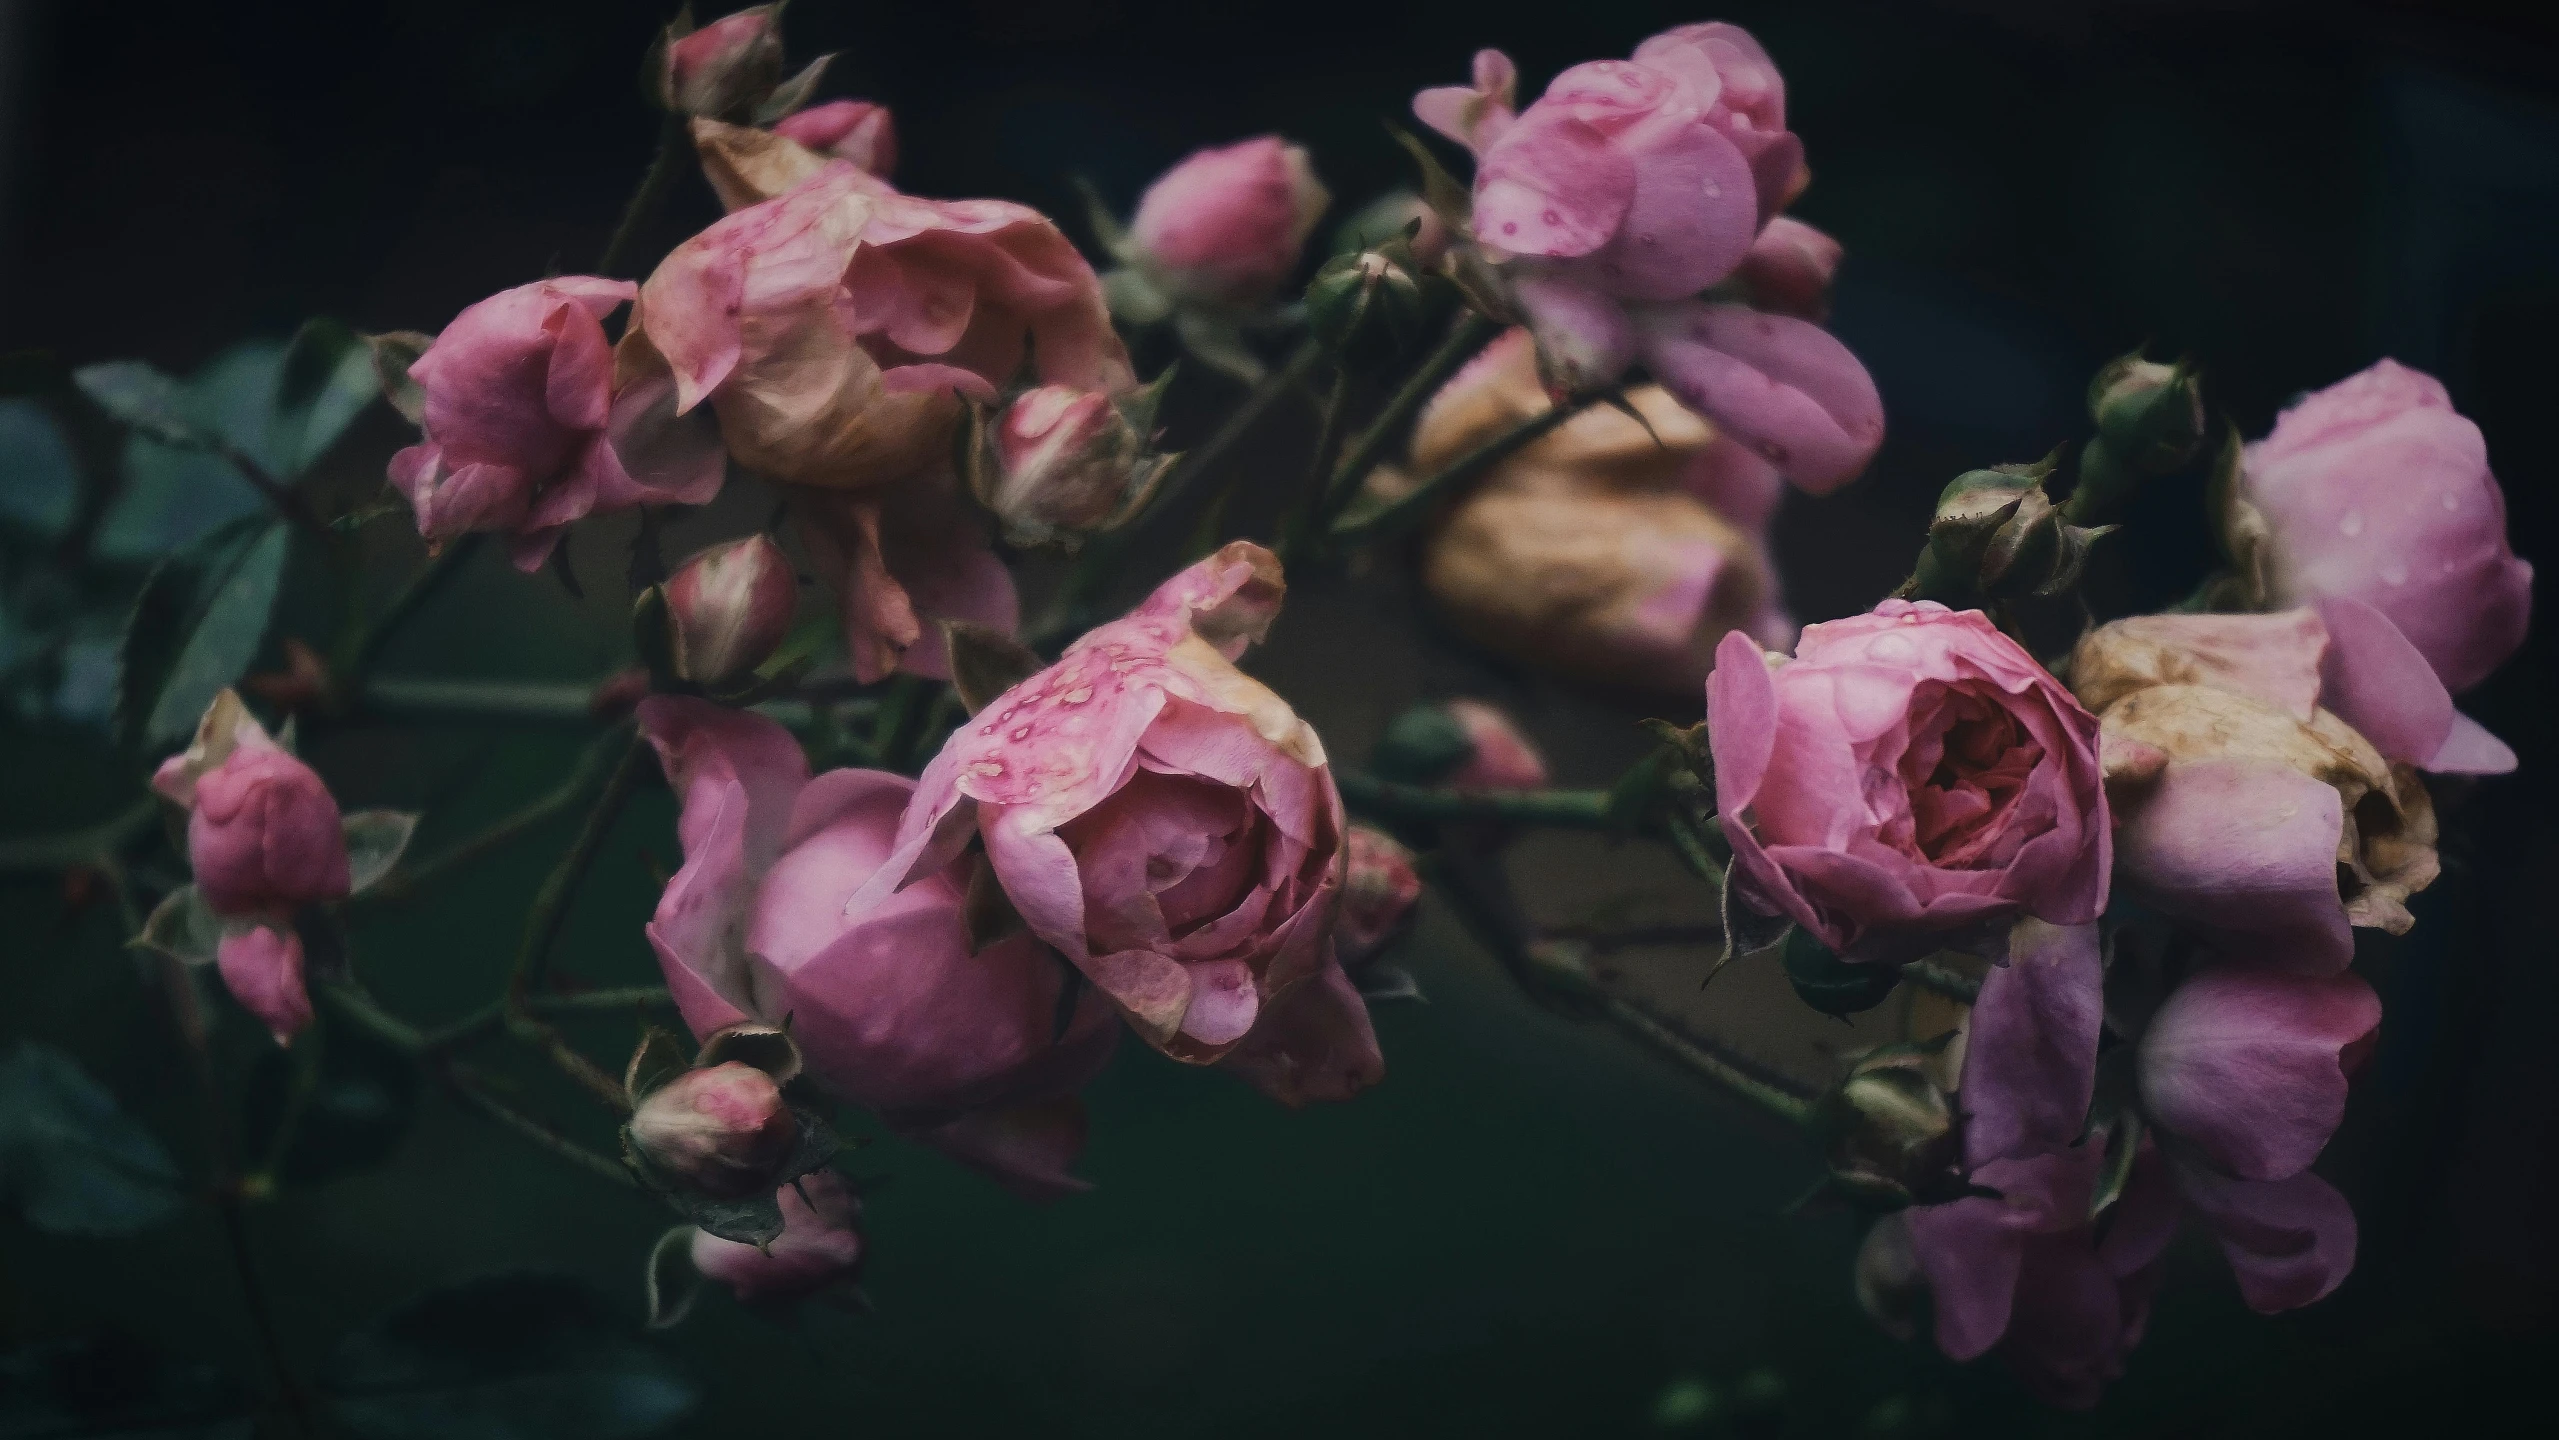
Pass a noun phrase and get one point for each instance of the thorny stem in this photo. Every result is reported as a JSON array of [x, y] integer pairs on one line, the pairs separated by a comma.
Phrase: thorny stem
[[1398, 515], [591, 769], [286, 501], [492, 1019], [1699, 1057], [1471, 334], [1313, 511], [429, 578], [674, 142], [1930, 976], [465, 1084], [1393, 800]]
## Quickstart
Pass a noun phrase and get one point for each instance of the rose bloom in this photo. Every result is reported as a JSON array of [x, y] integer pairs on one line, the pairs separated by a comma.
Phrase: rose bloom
[[820, 1245], [2249, 810], [1227, 225], [2375, 490], [891, 1006], [722, 1129], [1171, 827], [1631, 187], [1908, 779], [264, 838], [527, 432], [831, 330], [1592, 551]]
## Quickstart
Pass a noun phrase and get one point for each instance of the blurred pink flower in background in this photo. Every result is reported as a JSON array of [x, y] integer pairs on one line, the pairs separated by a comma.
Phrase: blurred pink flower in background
[[820, 1246], [1227, 224]]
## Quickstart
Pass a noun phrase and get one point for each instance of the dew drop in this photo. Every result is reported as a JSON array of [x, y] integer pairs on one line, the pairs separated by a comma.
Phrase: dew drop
[[2394, 573], [1510, 227], [2451, 501], [1714, 190], [1553, 218], [2351, 524], [1023, 733]]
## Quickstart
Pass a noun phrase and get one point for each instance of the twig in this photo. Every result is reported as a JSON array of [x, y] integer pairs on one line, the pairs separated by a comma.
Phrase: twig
[[604, 753], [1930, 976], [675, 142], [1313, 511], [1702, 1058], [285, 500], [1563, 809], [429, 578], [1395, 517], [1471, 334], [551, 911], [492, 1019]]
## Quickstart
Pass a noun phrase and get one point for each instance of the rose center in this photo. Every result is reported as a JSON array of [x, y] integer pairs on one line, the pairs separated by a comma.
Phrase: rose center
[[1967, 765]]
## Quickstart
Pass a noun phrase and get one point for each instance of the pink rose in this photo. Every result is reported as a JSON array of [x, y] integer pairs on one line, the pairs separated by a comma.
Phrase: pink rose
[[902, 559], [264, 838], [1910, 778], [526, 431], [890, 1007], [1066, 462], [830, 328], [1631, 187], [854, 130], [2375, 490], [1227, 225], [2251, 811], [820, 1245], [1171, 826]]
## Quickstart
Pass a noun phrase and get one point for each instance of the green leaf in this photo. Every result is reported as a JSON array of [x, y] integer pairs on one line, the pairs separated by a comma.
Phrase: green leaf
[[112, 1386], [71, 1159], [657, 1059], [375, 841], [506, 1357], [146, 399], [177, 487], [349, 1113], [985, 662], [325, 381], [195, 627], [181, 928], [1832, 985], [39, 478]]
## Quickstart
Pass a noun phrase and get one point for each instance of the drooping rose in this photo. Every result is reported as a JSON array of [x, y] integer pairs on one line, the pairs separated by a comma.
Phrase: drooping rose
[[831, 330], [527, 430], [1590, 551], [2376, 490], [1631, 187], [1066, 462], [1911, 778], [724, 68], [888, 1004], [264, 838], [2247, 809], [1227, 224], [855, 130], [820, 1245], [1170, 825]]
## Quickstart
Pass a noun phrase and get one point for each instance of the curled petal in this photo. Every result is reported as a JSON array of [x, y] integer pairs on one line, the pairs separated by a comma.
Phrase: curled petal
[[1782, 386], [2030, 1050], [1314, 1042], [1553, 186], [2288, 1241], [262, 968], [2250, 1065], [2244, 847]]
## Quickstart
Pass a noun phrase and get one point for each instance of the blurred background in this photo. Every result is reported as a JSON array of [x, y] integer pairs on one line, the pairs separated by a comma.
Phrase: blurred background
[[1529, 1228]]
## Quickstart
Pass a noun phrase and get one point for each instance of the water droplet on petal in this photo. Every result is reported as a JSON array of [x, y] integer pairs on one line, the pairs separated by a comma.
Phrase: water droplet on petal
[[2394, 573], [2351, 524], [2451, 501], [1510, 227], [1554, 218], [1714, 190]]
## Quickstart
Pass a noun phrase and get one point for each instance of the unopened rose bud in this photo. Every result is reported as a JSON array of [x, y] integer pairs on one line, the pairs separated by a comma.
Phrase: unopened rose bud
[[726, 68], [1499, 757], [1366, 307], [1226, 225], [1067, 461], [1396, 215], [1378, 894], [2151, 415], [820, 1245], [728, 610], [1891, 1131], [722, 1130]]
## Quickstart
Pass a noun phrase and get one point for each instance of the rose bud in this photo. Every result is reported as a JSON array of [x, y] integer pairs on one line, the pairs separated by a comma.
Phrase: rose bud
[[1379, 890], [526, 430], [264, 838], [725, 69], [855, 130], [1499, 756], [1171, 826], [722, 1130], [2247, 808], [1366, 307], [2151, 415], [820, 1245], [1226, 225], [2376, 490], [1396, 215], [1066, 462], [729, 608], [1890, 1131], [1789, 269], [953, 1039], [1911, 779], [1588, 552]]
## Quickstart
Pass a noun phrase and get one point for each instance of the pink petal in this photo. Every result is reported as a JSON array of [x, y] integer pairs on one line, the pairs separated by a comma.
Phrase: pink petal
[[2468, 749], [1784, 387], [2249, 1065], [2289, 1242], [1028, 1149], [1552, 186], [2244, 848], [262, 967], [2030, 1052], [2375, 681], [1313, 1042]]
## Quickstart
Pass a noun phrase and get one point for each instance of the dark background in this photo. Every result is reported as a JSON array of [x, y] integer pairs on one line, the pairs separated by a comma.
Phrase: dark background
[[1527, 1229]]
